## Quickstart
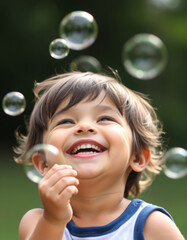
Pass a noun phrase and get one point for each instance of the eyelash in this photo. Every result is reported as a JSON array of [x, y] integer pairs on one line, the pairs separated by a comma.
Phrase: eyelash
[[101, 119], [107, 118], [66, 121]]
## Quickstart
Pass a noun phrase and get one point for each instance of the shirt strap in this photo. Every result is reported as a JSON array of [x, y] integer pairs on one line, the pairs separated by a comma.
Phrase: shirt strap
[[140, 222]]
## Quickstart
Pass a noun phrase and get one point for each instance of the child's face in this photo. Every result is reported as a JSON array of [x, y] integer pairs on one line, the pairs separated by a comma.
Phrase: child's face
[[93, 137]]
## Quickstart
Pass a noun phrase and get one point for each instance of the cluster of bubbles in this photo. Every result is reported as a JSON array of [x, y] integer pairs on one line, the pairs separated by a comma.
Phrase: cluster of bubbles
[[14, 103], [38, 159], [144, 56], [78, 30], [176, 163]]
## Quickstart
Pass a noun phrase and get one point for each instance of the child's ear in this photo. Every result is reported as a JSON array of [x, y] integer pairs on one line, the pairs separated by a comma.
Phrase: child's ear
[[39, 163], [140, 162]]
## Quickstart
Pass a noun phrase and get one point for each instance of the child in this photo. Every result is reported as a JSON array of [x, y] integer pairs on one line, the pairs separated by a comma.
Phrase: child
[[110, 140]]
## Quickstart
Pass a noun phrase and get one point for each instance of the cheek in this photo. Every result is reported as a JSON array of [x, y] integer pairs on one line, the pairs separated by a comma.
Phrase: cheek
[[55, 138], [121, 140]]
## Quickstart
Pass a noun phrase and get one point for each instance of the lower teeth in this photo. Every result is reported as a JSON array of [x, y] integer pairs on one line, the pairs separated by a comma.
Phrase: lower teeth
[[85, 153]]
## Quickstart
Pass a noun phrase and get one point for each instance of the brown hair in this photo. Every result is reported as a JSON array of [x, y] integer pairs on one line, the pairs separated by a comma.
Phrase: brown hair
[[76, 86]]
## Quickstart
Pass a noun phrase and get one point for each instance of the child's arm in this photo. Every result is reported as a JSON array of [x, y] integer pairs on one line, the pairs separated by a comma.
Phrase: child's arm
[[56, 190], [160, 226], [34, 226]]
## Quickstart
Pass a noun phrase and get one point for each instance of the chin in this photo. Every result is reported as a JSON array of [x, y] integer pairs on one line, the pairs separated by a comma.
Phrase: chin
[[87, 173]]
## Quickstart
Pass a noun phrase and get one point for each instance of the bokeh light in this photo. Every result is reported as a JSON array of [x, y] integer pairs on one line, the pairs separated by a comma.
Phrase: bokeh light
[[176, 163], [144, 56], [58, 48], [46, 154], [14, 103], [79, 29], [85, 63]]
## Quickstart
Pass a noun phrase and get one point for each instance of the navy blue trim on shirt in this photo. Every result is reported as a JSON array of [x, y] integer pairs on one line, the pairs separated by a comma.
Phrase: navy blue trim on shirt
[[140, 222], [108, 228]]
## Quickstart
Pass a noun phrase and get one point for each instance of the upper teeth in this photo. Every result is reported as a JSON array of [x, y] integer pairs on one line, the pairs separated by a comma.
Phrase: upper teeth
[[84, 146]]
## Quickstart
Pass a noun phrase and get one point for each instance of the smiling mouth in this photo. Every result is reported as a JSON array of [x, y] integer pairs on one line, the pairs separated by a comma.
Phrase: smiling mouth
[[86, 149]]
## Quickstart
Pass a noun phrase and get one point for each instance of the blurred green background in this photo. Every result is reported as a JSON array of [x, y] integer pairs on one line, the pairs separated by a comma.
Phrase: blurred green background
[[27, 29]]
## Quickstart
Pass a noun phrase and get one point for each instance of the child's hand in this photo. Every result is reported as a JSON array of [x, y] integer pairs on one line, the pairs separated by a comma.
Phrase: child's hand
[[56, 189]]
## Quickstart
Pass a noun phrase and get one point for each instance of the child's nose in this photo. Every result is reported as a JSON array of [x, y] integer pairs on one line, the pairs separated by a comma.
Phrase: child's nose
[[85, 128]]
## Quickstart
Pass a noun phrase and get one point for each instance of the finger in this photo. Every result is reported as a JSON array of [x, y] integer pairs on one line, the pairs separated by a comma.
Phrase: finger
[[57, 172], [55, 168], [63, 183], [60, 174], [53, 192], [68, 192]]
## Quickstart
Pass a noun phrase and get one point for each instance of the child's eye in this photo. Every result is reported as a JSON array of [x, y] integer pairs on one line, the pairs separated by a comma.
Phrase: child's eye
[[66, 121], [107, 118]]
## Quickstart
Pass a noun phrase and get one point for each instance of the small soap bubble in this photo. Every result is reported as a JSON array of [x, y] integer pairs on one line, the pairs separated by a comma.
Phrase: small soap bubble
[[47, 155], [176, 163], [85, 63], [14, 103], [79, 29], [144, 56], [58, 48]]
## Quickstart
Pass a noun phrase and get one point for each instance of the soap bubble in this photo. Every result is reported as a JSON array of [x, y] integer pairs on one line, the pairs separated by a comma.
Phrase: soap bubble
[[14, 103], [79, 29], [176, 163], [47, 154], [58, 48], [165, 4], [85, 63], [144, 56]]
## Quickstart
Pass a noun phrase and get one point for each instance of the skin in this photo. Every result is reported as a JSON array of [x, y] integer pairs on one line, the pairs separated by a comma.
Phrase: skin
[[88, 188]]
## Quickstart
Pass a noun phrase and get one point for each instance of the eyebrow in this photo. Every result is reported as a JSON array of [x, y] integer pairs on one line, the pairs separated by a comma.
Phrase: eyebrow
[[58, 113], [107, 108]]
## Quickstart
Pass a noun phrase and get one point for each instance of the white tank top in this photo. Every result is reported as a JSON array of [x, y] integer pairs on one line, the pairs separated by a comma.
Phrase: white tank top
[[128, 226]]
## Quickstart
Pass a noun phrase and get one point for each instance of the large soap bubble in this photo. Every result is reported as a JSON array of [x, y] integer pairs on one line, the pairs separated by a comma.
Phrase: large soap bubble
[[176, 163], [14, 103], [79, 29], [58, 48], [144, 56], [46, 154], [85, 63]]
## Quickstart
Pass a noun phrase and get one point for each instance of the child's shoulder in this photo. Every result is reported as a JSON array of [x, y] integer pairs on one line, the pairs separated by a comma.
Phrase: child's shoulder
[[29, 221], [154, 222], [159, 226]]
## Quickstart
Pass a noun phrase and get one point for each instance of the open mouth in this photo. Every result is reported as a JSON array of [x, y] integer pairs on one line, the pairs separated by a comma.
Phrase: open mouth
[[86, 148]]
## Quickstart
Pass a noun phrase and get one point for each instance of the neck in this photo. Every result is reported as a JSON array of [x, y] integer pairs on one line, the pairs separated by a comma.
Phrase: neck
[[95, 205]]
